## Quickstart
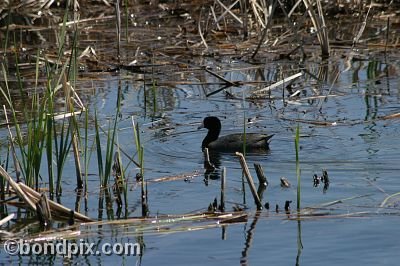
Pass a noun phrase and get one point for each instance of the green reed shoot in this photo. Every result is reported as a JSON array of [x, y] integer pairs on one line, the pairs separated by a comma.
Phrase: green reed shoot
[[244, 134], [86, 156], [110, 151], [296, 144], [106, 168], [6, 94], [140, 154], [62, 144], [98, 148], [123, 180], [139, 147]]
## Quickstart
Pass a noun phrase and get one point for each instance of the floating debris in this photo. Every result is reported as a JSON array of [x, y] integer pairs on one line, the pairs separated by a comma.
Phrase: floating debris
[[321, 179], [285, 182], [287, 205]]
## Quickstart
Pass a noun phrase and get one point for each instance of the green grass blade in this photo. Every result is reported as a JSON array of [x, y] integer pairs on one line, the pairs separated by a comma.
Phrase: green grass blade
[[297, 139]]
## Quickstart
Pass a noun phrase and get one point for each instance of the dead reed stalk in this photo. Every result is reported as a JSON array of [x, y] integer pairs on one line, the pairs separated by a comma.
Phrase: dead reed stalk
[[249, 180]]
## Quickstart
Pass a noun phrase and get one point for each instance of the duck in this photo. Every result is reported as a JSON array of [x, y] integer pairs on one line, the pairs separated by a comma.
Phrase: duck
[[232, 142]]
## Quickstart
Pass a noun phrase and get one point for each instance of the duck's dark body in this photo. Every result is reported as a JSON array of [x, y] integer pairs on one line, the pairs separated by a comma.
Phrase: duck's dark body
[[232, 142]]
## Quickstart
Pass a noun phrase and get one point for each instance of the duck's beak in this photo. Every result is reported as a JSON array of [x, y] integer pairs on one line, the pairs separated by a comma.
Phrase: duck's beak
[[201, 126]]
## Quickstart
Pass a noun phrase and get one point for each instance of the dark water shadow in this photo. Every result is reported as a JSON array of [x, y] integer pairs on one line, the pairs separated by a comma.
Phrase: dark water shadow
[[216, 159], [249, 239]]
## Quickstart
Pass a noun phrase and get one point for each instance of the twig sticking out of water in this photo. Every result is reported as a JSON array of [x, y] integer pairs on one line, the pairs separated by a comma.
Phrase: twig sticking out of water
[[43, 211], [260, 174], [222, 203], [249, 180]]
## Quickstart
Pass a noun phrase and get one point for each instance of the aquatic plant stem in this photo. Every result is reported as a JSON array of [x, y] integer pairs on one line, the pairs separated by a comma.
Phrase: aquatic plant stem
[[296, 143], [244, 133], [16, 162]]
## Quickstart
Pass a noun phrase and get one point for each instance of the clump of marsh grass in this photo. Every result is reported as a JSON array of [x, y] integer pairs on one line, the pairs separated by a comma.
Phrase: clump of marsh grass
[[44, 136]]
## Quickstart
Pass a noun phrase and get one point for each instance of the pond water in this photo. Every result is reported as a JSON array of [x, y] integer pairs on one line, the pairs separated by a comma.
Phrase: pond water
[[342, 130]]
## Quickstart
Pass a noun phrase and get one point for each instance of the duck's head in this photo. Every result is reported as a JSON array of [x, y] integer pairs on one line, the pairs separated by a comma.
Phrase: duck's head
[[213, 124]]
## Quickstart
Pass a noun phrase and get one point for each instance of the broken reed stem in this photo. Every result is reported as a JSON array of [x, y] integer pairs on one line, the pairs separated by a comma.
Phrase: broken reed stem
[[6, 219], [278, 83], [43, 211], [53, 205], [17, 189], [260, 174], [249, 180], [222, 201]]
